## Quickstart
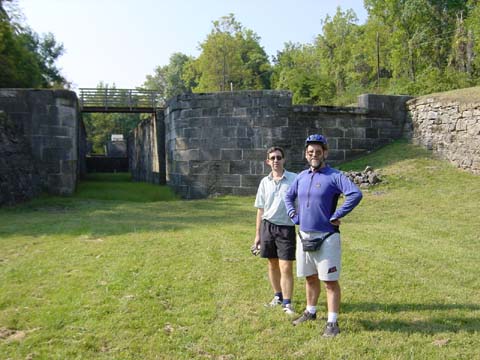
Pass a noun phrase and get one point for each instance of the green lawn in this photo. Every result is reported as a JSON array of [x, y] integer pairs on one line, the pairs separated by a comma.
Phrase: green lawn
[[139, 278]]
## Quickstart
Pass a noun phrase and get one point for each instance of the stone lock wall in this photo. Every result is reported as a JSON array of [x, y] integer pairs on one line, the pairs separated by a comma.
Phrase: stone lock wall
[[18, 173], [450, 128], [48, 122], [216, 143], [146, 150]]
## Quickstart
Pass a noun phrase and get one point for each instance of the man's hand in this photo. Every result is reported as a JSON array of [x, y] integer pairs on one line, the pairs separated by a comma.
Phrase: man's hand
[[255, 248], [335, 222], [293, 215]]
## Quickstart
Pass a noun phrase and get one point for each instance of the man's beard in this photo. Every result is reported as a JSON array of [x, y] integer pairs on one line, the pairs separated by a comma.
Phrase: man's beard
[[316, 163]]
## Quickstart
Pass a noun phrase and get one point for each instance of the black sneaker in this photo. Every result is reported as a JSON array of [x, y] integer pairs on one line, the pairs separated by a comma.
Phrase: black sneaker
[[306, 316], [331, 330]]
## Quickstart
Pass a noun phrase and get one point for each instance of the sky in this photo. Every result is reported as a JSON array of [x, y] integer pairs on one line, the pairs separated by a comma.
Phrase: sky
[[122, 41]]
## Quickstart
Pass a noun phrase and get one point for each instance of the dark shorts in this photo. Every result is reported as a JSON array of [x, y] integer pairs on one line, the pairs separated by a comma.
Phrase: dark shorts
[[277, 241]]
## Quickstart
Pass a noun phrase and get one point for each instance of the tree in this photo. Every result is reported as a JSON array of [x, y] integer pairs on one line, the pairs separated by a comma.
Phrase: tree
[[231, 57], [297, 69], [169, 80], [26, 59]]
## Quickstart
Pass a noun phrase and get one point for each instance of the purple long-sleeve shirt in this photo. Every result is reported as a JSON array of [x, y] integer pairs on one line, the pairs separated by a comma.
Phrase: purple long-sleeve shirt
[[317, 193]]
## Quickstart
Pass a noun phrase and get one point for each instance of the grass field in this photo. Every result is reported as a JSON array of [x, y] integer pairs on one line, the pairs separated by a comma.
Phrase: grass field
[[117, 272]]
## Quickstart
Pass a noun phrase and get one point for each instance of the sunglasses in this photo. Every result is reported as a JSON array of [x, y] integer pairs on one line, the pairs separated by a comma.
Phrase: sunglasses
[[278, 158]]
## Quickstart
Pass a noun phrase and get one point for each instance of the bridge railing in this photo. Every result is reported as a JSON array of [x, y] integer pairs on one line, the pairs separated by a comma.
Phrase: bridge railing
[[130, 99]]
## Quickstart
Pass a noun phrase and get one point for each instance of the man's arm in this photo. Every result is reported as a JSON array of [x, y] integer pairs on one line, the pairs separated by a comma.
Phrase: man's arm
[[289, 200], [257, 228], [353, 196]]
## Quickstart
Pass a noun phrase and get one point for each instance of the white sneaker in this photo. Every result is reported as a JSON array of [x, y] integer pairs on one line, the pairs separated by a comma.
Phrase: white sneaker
[[288, 309], [275, 302]]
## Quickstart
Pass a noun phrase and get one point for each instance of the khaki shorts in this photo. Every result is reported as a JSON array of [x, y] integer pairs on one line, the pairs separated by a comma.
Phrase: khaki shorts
[[326, 262]]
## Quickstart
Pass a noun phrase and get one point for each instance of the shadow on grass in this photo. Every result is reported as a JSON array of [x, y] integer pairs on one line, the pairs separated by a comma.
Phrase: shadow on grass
[[427, 323], [394, 308], [73, 216], [433, 325]]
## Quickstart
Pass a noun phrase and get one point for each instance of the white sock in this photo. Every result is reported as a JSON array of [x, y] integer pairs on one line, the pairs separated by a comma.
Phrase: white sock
[[332, 317], [311, 309]]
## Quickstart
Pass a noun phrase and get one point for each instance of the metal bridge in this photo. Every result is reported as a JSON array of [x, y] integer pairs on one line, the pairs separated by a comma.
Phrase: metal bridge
[[110, 100]]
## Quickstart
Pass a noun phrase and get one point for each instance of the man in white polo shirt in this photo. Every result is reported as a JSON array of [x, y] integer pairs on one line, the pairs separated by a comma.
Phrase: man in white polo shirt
[[275, 231]]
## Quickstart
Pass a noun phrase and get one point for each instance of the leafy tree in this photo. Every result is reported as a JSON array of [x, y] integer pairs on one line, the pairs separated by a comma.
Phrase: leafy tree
[[297, 69], [231, 56], [169, 79], [26, 59]]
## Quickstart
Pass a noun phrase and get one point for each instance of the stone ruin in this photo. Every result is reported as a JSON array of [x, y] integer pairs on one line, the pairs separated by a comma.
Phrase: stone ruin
[[364, 179]]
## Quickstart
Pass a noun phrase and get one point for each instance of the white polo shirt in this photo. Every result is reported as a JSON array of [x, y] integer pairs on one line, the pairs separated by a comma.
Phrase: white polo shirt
[[270, 196]]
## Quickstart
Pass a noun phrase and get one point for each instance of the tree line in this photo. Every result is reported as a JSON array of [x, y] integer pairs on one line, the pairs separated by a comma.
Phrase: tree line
[[409, 47]]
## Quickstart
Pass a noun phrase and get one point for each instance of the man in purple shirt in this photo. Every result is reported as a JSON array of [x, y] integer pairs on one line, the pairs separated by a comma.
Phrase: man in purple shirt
[[318, 255]]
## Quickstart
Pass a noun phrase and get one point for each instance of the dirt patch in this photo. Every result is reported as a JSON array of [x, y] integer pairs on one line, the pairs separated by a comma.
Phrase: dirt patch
[[12, 335]]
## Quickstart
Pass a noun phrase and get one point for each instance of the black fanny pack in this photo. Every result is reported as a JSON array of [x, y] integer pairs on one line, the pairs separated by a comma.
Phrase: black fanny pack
[[314, 244]]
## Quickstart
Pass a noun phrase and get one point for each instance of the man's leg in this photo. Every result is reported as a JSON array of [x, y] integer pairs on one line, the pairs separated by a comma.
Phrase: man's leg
[[333, 291], [312, 288], [274, 275], [286, 279]]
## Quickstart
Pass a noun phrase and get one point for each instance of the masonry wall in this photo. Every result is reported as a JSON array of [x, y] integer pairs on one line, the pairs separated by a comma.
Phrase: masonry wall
[[450, 128], [18, 174], [146, 150], [216, 143], [49, 123]]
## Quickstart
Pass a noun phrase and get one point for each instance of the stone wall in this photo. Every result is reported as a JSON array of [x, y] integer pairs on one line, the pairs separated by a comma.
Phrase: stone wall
[[146, 150], [49, 121], [18, 174], [216, 143], [450, 128]]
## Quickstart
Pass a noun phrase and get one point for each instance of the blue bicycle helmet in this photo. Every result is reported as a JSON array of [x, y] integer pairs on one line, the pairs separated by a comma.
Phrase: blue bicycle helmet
[[316, 139]]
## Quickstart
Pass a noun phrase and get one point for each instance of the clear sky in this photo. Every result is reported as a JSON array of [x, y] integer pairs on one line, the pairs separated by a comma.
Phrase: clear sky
[[122, 41]]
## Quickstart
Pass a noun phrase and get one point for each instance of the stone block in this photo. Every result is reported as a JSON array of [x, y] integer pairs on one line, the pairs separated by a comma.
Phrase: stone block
[[245, 143], [366, 144], [258, 168], [209, 167], [344, 123], [231, 154], [209, 154], [344, 143], [250, 180], [254, 154], [230, 180], [371, 133], [239, 167], [239, 112], [382, 124], [187, 155], [333, 132], [192, 133], [181, 167], [51, 130], [362, 122], [336, 155], [54, 154], [210, 112], [393, 133], [355, 133]]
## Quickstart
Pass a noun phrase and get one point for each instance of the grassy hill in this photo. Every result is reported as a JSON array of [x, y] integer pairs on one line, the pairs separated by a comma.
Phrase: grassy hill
[[91, 278]]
